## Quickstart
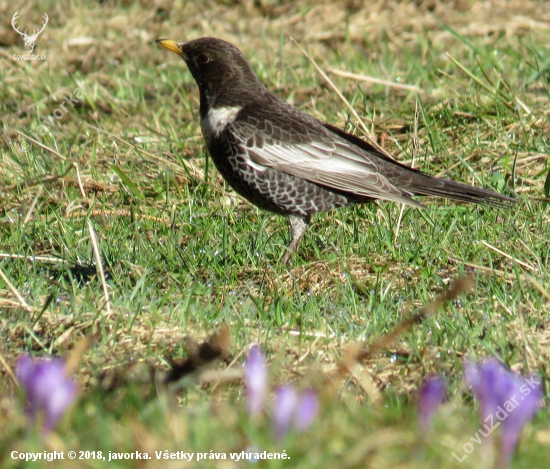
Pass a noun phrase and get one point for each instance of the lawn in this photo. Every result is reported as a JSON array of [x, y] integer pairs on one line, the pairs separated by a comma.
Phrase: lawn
[[123, 250]]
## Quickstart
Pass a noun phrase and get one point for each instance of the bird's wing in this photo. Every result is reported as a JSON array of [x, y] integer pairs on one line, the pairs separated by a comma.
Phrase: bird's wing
[[321, 157]]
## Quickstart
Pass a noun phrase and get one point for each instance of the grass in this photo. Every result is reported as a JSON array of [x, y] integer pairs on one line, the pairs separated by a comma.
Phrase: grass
[[184, 255]]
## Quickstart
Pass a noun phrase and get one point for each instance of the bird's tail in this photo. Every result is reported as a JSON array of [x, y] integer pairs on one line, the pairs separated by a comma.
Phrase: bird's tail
[[430, 186]]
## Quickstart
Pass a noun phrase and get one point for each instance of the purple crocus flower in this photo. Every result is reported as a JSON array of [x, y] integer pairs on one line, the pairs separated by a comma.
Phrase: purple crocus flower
[[306, 410], [505, 399], [484, 379], [284, 406], [431, 397], [47, 387], [255, 379], [291, 409]]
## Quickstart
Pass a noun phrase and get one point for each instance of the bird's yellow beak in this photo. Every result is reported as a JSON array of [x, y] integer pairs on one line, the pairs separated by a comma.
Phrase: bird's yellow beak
[[171, 45]]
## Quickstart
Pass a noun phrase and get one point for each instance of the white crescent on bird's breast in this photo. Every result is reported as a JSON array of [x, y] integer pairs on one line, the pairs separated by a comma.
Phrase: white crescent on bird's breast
[[217, 119]]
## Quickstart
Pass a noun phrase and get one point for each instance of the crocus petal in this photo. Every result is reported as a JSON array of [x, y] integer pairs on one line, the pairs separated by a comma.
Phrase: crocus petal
[[484, 380], [506, 397], [24, 369], [284, 406], [431, 397], [529, 397], [306, 409], [255, 378], [47, 387], [56, 392]]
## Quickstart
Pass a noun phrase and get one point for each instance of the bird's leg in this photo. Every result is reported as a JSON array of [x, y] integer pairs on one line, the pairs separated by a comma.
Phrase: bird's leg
[[298, 226]]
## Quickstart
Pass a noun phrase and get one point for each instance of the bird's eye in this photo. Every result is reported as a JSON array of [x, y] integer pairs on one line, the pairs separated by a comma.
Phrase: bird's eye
[[203, 59]]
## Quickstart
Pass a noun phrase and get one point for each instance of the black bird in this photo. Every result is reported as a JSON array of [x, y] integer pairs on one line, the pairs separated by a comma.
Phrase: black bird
[[285, 161]]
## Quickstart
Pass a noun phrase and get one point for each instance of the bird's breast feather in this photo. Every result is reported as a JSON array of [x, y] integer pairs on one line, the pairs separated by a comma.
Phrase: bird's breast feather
[[217, 119]]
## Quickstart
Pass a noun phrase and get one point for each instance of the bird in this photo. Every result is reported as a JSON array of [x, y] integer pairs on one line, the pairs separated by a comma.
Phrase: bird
[[287, 162]]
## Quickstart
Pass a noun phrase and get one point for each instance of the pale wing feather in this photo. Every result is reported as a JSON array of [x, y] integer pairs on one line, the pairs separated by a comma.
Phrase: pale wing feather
[[333, 164]]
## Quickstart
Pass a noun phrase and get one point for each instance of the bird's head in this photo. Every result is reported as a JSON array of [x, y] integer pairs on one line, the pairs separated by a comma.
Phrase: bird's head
[[219, 68]]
